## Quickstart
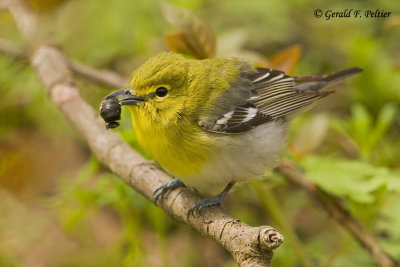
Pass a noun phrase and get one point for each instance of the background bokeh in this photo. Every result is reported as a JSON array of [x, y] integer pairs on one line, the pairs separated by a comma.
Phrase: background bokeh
[[60, 207]]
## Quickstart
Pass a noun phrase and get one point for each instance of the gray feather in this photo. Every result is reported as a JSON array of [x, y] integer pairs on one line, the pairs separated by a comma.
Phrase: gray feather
[[266, 95]]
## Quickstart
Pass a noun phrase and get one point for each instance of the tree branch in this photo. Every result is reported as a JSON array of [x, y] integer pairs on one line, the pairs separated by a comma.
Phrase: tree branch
[[250, 246], [339, 213]]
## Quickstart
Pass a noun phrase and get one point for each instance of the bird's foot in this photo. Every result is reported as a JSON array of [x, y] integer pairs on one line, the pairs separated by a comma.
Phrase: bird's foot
[[175, 183], [209, 202]]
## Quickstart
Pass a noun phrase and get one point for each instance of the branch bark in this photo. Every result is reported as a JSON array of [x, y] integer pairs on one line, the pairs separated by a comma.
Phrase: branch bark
[[250, 246], [339, 213]]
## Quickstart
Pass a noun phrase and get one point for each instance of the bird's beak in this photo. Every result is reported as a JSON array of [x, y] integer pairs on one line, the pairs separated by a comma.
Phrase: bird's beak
[[128, 97]]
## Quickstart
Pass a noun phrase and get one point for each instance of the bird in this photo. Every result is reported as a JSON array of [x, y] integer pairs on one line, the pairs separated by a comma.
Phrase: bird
[[216, 122]]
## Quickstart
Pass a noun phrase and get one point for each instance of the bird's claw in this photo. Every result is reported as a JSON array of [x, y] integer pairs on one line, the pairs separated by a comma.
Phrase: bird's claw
[[209, 202], [175, 183]]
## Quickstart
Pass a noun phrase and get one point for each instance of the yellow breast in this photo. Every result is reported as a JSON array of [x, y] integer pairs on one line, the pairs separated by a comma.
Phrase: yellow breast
[[181, 150]]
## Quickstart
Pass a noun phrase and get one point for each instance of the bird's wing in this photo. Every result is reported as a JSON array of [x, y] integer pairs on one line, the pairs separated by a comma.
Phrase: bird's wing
[[280, 95], [272, 95], [239, 119]]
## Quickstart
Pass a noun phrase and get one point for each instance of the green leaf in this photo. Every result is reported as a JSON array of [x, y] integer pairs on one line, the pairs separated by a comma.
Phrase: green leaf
[[384, 121], [360, 126], [355, 180], [364, 130]]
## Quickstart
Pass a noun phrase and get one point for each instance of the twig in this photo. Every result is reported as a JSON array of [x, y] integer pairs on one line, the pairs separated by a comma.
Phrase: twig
[[103, 77], [339, 213], [27, 21], [250, 246]]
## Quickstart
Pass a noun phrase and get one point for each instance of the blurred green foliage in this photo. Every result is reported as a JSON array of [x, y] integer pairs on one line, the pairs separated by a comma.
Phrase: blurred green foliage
[[97, 220]]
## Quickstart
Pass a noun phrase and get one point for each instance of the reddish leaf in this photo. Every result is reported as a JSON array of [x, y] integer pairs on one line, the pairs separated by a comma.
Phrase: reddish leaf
[[179, 43], [46, 5], [286, 60], [197, 38]]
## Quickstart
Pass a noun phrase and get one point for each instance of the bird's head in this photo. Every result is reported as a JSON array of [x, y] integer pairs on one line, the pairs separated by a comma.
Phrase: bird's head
[[158, 90]]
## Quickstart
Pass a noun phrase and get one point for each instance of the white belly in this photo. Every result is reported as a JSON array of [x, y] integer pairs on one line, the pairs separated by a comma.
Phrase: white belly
[[241, 157]]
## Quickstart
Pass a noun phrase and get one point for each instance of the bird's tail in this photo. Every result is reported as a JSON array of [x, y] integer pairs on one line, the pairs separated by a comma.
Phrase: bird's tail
[[317, 82]]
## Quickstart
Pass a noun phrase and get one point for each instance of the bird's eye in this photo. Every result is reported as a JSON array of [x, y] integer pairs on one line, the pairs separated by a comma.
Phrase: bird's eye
[[161, 91]]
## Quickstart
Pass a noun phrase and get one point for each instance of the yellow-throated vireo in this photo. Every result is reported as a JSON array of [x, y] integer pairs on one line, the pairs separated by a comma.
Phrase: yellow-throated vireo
[[213, 122]]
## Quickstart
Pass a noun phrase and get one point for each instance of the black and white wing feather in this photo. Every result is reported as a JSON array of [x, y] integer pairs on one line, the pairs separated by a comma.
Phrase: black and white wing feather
[[272, 95], [280, 95], [240, 119]]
